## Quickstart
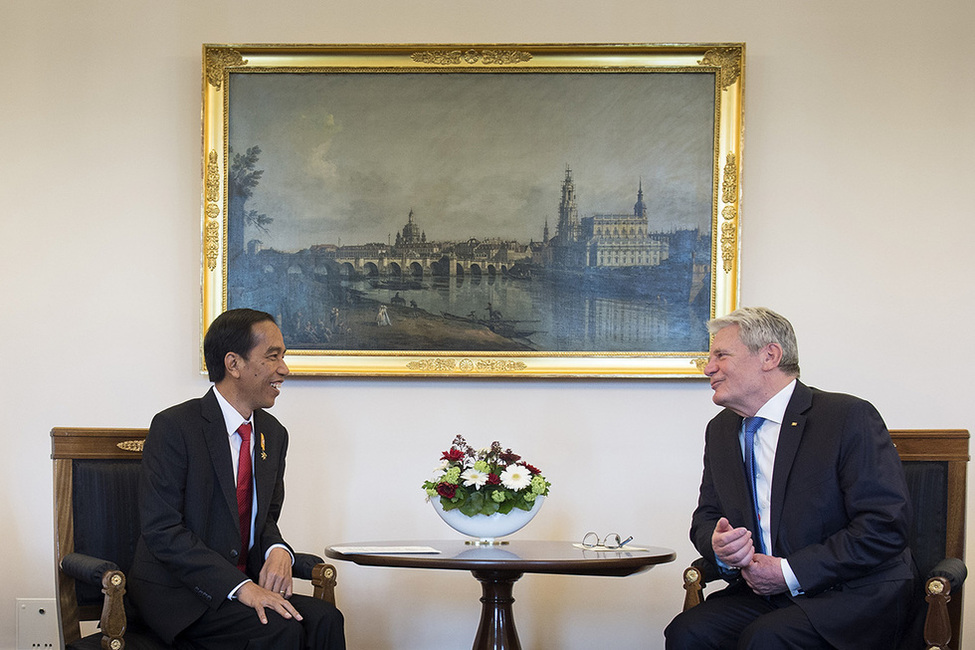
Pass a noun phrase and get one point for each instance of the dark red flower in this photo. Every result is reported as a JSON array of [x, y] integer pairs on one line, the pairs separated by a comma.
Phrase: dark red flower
[[494, 479], [446, 490], [532, 469], [509, 457], [453, 455]]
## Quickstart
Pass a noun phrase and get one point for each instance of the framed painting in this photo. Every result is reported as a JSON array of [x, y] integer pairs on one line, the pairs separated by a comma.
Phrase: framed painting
[[475, 210]]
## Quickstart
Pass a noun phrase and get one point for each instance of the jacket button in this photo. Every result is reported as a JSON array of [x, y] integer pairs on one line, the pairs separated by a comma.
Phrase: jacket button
[[234, 553]]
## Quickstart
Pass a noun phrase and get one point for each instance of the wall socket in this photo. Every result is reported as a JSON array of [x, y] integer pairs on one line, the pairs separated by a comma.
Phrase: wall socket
[[37, 623]]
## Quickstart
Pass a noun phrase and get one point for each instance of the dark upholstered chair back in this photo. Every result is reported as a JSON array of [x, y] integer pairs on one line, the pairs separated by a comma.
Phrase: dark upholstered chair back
[[936, 464], [104, 497], [927, 481], [96, 475]]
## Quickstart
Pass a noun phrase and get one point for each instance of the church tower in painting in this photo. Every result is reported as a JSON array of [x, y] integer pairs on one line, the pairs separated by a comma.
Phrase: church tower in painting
[[640, 208], [567, 229], [567, 250]]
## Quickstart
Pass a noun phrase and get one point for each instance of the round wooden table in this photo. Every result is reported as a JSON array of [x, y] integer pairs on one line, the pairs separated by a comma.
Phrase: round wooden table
[[498, 567]]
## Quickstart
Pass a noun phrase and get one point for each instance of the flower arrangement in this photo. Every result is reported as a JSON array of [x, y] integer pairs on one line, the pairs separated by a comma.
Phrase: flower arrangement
[[485, 481]]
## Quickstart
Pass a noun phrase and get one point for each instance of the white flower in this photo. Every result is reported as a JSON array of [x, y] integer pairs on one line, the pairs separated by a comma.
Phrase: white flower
[[437, 473], [472, 477], [516, 477]]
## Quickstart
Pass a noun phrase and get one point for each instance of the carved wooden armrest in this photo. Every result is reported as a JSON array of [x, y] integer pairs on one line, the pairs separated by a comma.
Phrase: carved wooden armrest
[[113, 622], [322, 575], [937, 625], [323, 578], [696, 578], [937, 592], [692, 587]]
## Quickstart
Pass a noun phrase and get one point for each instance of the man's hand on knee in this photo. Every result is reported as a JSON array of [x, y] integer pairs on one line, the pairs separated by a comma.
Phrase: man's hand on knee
[[261, 599]]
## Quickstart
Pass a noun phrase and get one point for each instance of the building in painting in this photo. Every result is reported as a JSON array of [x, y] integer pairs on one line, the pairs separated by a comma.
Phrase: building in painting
[[602, 240], [411, 235], [622, 240]]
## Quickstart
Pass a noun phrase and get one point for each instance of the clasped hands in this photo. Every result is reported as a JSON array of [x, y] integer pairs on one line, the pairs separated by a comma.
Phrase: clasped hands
[[735, 548], [273, 588]]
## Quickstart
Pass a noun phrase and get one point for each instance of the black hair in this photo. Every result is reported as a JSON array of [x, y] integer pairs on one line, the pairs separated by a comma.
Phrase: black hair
[[231, 331]]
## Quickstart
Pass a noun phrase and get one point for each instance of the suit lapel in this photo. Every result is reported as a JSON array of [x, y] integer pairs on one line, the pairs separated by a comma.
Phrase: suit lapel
[[215, 435], [790, 435]]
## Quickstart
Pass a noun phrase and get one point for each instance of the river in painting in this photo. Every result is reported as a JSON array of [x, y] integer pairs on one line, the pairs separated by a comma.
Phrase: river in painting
[[538, 314]]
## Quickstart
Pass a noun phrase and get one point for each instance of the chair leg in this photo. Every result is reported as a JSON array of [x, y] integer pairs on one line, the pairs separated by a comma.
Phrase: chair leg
[[113, 621], [937, 625], [692, 587], [323, 579]]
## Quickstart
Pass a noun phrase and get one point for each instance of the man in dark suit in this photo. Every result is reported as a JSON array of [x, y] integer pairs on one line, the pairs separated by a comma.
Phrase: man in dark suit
[[815, 548], [211, 569]]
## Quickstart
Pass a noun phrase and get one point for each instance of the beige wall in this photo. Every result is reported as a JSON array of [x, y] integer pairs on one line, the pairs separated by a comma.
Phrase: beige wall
[[858, 225]]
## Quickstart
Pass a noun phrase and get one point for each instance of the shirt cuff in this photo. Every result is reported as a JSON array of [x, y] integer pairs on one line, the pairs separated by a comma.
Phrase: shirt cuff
[[725, 570], [790, 579], [274, 546], [233, 592]]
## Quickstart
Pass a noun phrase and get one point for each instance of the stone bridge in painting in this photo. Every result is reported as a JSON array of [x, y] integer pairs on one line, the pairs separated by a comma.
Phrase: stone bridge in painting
[[402, 267]]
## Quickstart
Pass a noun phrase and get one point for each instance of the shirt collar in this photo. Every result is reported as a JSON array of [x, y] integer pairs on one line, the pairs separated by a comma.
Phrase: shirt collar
[[774, 409], [231, 418]]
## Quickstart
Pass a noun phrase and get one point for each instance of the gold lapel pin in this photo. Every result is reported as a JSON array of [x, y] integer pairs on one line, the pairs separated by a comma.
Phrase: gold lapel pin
[[795, 424], [263, 452]]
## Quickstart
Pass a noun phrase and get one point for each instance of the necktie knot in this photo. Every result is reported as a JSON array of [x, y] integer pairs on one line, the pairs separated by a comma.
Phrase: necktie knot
[[752, 425], [244, 431]]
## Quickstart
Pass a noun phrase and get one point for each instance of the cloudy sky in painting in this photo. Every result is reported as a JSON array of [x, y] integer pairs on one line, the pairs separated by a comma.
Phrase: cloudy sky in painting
[[347, 156]]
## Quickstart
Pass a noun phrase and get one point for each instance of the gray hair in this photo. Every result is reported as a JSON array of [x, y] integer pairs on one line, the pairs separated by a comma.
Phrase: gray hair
[[759, 326]]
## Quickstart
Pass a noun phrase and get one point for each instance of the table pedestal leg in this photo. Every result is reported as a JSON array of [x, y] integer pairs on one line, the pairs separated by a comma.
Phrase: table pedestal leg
[[496, 630]]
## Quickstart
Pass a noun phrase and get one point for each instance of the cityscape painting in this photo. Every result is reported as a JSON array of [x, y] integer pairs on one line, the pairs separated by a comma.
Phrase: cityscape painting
[[475, 210]]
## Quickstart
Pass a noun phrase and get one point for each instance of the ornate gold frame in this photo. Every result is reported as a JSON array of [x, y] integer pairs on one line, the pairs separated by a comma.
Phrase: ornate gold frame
[[725, 61]]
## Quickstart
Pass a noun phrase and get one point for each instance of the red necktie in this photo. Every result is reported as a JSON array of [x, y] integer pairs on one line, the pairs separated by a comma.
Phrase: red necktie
[[244, 495]]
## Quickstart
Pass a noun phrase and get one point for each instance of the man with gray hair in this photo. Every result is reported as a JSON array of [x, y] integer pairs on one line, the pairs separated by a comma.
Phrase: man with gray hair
[[803, 506]]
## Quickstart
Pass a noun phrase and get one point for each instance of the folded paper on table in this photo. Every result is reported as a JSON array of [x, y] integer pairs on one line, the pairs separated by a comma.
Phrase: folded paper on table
[[373, 550]]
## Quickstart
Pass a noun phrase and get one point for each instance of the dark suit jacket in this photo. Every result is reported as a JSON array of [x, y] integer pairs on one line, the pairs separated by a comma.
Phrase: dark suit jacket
[[840, 512], [185, 560]]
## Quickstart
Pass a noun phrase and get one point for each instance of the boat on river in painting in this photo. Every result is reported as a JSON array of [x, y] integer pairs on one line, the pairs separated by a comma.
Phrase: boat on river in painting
[[510, 329]]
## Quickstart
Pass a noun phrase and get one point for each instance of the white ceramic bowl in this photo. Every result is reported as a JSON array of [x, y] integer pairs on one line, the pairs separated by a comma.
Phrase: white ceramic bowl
[[487, 528]]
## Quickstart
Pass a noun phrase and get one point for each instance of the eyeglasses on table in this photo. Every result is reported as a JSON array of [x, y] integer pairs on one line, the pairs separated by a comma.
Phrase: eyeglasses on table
[[613, 540]]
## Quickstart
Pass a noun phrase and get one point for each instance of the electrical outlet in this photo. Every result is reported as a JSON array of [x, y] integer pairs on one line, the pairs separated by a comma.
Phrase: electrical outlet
[[37, 623]]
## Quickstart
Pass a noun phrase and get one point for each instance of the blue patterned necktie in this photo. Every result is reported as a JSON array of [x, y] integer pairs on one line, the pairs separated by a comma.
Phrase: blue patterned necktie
[[751, 428]]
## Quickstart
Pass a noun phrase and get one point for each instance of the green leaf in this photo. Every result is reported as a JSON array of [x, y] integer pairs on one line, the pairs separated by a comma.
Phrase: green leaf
[[473, 504], [447, 504]]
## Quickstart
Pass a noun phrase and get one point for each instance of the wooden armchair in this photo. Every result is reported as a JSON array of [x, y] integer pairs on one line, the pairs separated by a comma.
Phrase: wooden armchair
[[96, 528], [936, 465]]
